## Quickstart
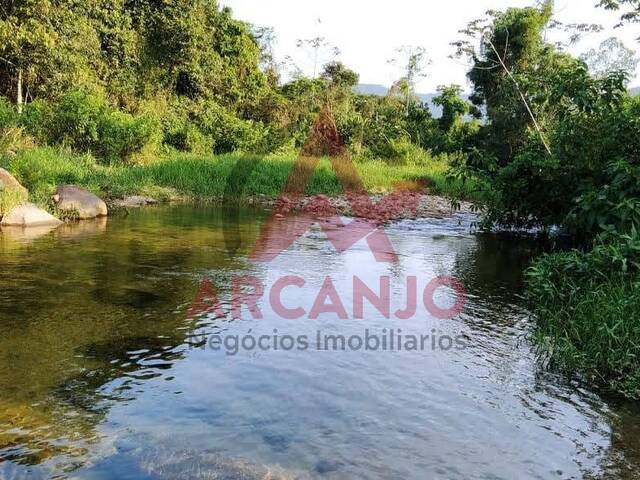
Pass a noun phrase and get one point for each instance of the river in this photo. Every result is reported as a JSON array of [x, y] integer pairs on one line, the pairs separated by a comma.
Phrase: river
[[111, 365]]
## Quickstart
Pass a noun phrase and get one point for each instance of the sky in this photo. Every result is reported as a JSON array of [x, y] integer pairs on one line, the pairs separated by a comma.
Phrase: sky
[[368, 31]]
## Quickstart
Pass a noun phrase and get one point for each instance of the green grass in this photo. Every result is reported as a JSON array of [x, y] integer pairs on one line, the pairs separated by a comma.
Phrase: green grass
[[587, 308], [9, 199], [596, 333], [205, 178]]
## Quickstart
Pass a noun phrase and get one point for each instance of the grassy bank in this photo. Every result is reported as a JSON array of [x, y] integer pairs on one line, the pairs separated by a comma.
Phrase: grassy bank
[[596, 334], [208, 177], [587, 306]]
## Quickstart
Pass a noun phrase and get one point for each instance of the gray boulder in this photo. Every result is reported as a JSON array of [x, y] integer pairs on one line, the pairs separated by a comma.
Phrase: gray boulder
[[70, 198], [28, 215]]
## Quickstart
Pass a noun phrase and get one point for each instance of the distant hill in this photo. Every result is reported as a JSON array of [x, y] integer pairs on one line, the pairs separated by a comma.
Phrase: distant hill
[[371, 89], [381, 90]]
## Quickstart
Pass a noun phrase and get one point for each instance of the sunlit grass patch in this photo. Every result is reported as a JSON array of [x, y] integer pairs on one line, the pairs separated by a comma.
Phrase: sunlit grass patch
[[208, 177]]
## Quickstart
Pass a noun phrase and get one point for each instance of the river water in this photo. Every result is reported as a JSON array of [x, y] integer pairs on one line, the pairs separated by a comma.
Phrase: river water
[[110, 367]]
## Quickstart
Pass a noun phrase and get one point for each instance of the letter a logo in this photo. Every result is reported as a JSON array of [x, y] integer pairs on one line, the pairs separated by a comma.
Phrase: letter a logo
[[284, 227]]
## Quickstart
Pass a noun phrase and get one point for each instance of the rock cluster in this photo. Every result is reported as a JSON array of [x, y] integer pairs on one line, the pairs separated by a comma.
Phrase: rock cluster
[[377, 208], [68, 199]]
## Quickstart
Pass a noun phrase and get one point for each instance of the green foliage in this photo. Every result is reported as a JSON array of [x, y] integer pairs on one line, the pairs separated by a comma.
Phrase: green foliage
[[128, 80], [10, 198], [40, 170], [8, 116], [587, 308], [75, 120], [537, 167], [454, 133], [453, 107], [85, 122], [339, 76], [121, 135], [35, 119], [613, 208]]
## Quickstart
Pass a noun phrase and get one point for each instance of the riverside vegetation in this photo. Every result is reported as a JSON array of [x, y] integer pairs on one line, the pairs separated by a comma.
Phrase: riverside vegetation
[[163, 99]]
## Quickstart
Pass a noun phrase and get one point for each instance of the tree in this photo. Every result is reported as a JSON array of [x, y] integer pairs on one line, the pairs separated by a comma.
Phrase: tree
[[551, 127], [319, 51], [631, 16], [511, 50], [453, 107], [46, 47], [340, 76], [612, 55], [413, 61]]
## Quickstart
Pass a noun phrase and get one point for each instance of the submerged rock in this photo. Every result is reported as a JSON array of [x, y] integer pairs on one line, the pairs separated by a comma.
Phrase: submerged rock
[[28, 215], [70, 198], [135, 201], [8, 182]]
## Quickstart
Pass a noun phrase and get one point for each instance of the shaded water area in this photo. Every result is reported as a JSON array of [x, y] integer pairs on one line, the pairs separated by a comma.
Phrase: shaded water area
[[107, 372]]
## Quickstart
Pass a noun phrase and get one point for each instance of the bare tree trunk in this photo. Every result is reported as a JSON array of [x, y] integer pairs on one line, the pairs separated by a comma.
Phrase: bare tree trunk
[[315, 62], [20, 98]]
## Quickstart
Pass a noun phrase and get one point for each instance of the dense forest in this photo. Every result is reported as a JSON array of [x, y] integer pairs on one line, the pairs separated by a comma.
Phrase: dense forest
[[118, 78], [545, 143]]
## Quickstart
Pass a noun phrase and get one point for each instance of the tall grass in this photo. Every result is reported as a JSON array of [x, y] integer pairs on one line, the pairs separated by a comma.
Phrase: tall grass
[[207, 177], [9, 199], [588, 313]]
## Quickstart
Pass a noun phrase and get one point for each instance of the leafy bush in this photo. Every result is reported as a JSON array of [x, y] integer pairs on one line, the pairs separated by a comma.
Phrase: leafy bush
[[36, 120], [189, 138], [76, 118], [8, 115], [85, 122], [401, 151], [229, 133], [613, 208], [120, 135], [587, 308]]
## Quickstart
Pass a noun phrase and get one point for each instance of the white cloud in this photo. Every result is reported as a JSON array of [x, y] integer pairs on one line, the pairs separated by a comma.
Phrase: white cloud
[[366, 31]]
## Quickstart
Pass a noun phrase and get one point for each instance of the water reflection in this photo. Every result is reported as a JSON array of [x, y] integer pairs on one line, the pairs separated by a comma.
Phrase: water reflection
[[87, 304], [100, 376]]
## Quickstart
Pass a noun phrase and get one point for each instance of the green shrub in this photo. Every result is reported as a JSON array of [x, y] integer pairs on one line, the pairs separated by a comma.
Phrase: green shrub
[[587, 307], [229, 133], [75, 120], [8, 114], [189, 138], [36, 120], [613, 208], [121, 135]]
